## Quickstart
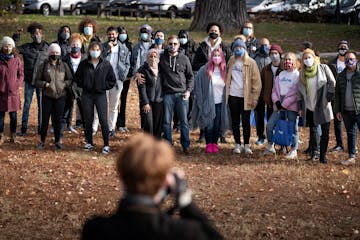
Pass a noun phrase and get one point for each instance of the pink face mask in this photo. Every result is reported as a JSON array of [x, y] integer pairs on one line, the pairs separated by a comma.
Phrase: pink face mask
[[288, 65], [216, 60]]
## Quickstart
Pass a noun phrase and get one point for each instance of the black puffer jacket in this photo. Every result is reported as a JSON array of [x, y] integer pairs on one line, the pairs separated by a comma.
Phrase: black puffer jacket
[[95, 80], [340, 90], [33, 55]]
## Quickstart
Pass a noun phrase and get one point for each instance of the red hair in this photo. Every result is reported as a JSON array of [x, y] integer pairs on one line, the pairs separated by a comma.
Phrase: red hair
[[210, 66]]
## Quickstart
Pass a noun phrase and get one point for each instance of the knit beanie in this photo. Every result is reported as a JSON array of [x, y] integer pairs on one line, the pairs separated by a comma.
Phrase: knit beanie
[[7, 40], [344, 42], [54, 47], [238, 43], [277, 48]]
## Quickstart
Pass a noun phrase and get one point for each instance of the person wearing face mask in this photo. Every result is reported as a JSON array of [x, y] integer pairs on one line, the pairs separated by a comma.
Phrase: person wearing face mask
[[54, 77], [73, 59], [251, 42], [243, 87], [159, 39], [262, 58], [203, 52], [141, 49], [316, 91], [87, 29], [34, 54], [187, 44], [347, 102], [139, 56], [95, 76], [211, 42], [268, 74], [337, 65], [151, 96], [63, 39], [209, 111], [119, 57], [284, 97], [11, 77], [121, 119]]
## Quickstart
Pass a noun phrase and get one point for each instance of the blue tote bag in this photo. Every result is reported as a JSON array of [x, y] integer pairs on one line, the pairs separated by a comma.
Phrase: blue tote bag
[[284, 130]]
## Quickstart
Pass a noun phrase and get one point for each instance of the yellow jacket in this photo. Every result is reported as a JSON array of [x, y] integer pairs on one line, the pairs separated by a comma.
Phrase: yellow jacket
[[251, 78]]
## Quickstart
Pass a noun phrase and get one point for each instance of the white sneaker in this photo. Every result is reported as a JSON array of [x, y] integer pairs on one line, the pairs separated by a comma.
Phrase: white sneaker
[[72, 130], [237, 148], [106, 150], [124, 129], [270, 149], [88, 147], [291, 155], [247, 149], [348, 161]]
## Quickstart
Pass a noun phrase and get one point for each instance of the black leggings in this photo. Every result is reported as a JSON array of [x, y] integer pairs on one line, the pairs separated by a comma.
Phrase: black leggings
[[54, 108], [100, 102], [236, 105]]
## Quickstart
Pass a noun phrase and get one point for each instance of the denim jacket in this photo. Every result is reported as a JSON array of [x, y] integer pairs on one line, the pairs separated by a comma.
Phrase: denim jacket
[[123, 61]]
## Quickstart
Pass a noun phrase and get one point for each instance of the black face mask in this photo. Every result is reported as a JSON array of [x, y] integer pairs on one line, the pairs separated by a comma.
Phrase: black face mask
[[54, 57], [213, 35], [75, 50]]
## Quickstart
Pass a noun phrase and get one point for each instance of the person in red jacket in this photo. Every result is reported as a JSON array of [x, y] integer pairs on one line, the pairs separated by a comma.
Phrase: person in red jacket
[[145, 167], [11, 77]]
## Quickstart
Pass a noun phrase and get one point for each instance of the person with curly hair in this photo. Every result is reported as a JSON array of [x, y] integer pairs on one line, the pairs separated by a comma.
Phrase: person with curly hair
[[87, 29]]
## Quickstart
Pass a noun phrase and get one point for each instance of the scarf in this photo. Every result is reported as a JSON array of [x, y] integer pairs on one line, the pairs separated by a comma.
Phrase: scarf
[[6, 57], [86, 41], [212, 47], [310, 72]]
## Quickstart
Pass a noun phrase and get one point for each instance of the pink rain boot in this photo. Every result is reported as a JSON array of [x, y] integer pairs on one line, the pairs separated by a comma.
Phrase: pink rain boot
[[209, 148], [215, 148]]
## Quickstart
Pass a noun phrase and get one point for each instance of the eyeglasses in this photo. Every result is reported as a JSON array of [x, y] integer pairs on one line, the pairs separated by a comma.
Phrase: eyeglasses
[[172, 44]]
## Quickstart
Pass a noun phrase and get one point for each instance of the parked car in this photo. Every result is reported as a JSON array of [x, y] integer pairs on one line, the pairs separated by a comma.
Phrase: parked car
[[172, 8], [349, 11], [45, 7]]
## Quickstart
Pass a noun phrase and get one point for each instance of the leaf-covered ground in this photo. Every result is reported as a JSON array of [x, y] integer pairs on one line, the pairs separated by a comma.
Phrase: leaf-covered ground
[[48, 194]]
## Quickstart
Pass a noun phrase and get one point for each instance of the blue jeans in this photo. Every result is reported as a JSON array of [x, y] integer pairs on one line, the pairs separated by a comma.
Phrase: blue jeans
[[350, 120], [28, 96], [291, 116], [13, 121], [212, 131], [175, 102]]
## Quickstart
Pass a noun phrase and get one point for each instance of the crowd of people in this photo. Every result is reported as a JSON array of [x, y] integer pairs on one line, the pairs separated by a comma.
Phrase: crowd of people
[[182, 86]]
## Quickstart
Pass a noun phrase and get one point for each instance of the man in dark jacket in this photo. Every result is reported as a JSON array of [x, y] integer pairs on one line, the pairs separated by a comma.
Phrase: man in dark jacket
[[145, 167], [347, 101], [34, 54], [178, 81], [337, 65], [63, 39]]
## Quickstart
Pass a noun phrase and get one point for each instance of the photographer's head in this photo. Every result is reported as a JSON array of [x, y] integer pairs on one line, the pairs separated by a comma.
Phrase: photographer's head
[[143, 165]]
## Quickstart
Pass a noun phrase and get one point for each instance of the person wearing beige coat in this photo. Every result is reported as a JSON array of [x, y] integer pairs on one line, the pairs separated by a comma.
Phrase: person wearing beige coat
[[243, 87]]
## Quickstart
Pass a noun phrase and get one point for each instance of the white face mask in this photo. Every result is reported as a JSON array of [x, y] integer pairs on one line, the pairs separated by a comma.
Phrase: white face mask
[[309, 62]]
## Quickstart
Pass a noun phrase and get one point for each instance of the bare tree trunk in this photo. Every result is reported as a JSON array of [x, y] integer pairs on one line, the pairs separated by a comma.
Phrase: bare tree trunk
[[230, 13], [337, 11], [61, 10]]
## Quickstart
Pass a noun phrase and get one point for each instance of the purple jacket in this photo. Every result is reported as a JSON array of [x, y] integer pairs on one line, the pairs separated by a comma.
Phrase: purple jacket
[[289, 101], [11, 77]]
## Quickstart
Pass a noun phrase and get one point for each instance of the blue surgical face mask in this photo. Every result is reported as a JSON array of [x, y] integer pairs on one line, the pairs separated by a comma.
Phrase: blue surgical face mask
[[95, 54], [159, 41], [183, 41], [122, 37], [144, 37], [247, 31], [239, 52], [88, 31]]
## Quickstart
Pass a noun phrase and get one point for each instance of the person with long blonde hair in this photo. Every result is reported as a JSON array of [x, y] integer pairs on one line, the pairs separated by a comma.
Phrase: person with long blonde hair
[[316, 90]]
